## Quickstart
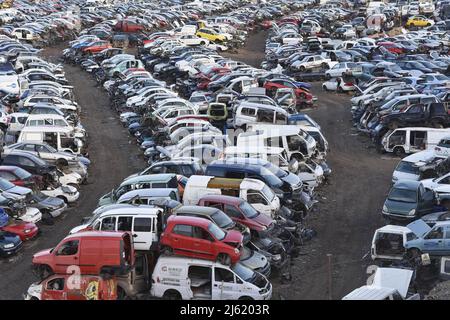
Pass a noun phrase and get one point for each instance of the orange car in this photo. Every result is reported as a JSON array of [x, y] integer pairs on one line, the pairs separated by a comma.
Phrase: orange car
[[97, 46]]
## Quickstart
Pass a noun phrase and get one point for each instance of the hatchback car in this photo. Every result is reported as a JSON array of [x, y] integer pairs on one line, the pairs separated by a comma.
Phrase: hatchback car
[[200, 238]]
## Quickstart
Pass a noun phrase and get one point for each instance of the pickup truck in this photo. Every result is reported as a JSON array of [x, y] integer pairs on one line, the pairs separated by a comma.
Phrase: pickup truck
[[434, 114]]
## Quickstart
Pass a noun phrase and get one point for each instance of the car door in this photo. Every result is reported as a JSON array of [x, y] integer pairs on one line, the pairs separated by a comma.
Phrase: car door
[[27, 164], [433, 242], [414, 114], [256, 199], [203, 243], [66, 254], [426, 201], [143, 233], [223, 284], [53, 289], [234, 213], [181, 239]]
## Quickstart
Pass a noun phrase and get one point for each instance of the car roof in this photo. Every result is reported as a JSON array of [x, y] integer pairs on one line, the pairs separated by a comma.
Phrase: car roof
[[205, 211], [149, 177], [222, 198], [8, 168], [194, 221], [96, 234]]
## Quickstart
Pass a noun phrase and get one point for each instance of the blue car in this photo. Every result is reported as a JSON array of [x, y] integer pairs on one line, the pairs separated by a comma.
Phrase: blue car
[[432, 240], [9, 244]]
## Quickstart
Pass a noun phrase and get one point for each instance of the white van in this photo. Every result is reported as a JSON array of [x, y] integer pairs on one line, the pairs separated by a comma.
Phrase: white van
[[189, 279], [409, 167], [17, 121], [414, 139], [296, 141], [248, 112], [141, 221], [60, 138], [37, 120], [254, 191], [442, 149]]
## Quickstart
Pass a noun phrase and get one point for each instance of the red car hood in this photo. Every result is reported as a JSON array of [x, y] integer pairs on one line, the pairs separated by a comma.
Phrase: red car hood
[[41, 254], [19, 227], [234, 237]]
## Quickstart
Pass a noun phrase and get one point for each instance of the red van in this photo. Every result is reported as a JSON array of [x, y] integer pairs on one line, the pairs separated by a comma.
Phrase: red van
[[94, 252], [69, 287], [201, 238], [240, 211]]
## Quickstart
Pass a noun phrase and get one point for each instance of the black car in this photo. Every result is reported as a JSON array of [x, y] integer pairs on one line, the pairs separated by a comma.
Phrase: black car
[[272, 249], [9, 244], [29, 162], [435, 114]]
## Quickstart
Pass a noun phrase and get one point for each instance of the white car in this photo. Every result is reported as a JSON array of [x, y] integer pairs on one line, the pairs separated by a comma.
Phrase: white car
[[31, 214], [67, 193], [332, 85], [338, 70], [193, 40], [68, 178], [311, 62], [442, 149], [439, 185]]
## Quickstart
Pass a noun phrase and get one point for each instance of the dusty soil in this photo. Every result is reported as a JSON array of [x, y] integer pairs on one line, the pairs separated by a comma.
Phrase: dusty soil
[[347, 215]]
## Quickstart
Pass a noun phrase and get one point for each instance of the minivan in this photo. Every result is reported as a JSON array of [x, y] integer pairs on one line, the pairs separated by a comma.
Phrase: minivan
[[188, 279], [256, 192], [93, 252], [409, 140], [248, 112], [140, 221], [149, 181]]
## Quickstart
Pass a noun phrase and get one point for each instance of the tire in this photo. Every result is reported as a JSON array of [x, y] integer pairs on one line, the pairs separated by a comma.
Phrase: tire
[[61, 163], [302, 69], [325, 65], [446, 203], [245, 298], [168, 251], [63, 199], [224, 259], [75, 185], [172, 295], [437, 124], [399, 152], [324, 88], [202, 43], [44, 271], [339, 90]]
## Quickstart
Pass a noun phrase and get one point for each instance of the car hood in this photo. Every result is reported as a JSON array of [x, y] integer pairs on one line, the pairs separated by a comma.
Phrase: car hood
[[41, 253], [51, 202], [263, 219], [8, 238], [19, 190], [292, 179], [233, 236], [255, 261], [419, 228], [397, 207]]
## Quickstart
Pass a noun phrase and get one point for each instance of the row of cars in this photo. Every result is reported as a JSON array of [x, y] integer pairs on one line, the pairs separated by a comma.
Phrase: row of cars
[[216, 212], [42, 167]]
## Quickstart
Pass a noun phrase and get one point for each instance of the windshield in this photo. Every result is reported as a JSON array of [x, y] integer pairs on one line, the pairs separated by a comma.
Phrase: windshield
[[403, 195], [268, 193], [218, 233], [222, 220], [243, 272], [271, 179], [275, 170], [5, 184], [248, 210], [39, 196], [22, 174], [407, 167]]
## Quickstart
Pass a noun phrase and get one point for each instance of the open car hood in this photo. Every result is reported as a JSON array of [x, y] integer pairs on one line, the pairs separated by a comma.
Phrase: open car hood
[[394, 278], [419, 228]]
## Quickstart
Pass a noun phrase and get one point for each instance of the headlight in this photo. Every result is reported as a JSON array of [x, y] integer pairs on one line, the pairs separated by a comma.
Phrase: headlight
[[27, 231], [263, 228], [385, 209], [276, 257], [412, 212], [236, 250], [8, 246]]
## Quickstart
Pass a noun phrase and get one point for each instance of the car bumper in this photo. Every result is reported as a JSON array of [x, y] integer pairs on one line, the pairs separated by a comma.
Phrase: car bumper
[[55, 213], [11, 251]]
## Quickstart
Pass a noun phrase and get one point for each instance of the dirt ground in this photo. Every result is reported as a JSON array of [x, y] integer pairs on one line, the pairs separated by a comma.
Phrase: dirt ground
[[347, 215]]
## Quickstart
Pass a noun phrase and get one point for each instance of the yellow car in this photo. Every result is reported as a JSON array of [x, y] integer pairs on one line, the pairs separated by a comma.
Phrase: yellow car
[[419, 22], [211, 35]]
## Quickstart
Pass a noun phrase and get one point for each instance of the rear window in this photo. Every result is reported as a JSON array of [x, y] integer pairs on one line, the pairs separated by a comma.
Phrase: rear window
[[22, 174]]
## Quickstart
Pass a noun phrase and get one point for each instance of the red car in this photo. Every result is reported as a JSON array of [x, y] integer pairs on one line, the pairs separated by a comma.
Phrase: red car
[[200, 238], [20, 177], [97, 46], [391, 47], [300, 90], [94, 252], [266, 24], [128, 26], [25, 230], [239, 211]]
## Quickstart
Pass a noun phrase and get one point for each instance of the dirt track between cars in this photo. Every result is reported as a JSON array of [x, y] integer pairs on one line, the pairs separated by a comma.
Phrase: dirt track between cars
[[345, 219]]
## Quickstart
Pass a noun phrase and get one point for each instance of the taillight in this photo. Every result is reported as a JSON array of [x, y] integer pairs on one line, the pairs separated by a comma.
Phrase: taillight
[[348, 83]]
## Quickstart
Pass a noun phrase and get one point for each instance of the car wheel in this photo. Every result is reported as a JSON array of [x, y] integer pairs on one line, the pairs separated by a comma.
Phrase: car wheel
[[437, 124], [165, 250], [324, 87], [75, 185], [325, 65], [224, 259], [399, 152], [122, 294], [172, 295], [302, 69], [245, 298], [44, 271]]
